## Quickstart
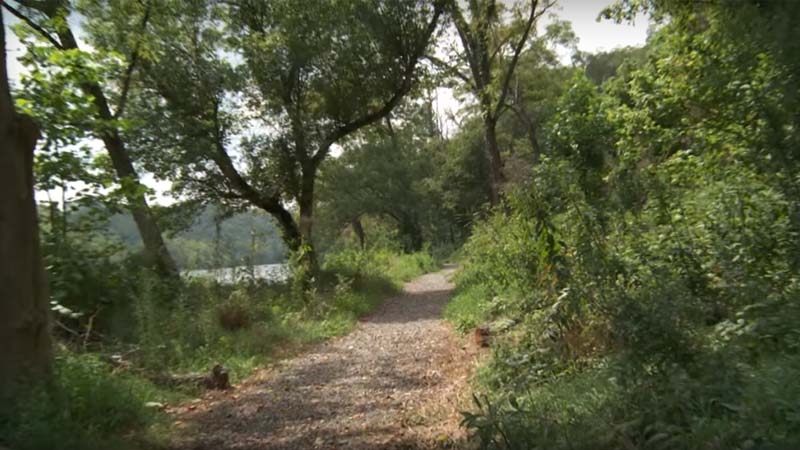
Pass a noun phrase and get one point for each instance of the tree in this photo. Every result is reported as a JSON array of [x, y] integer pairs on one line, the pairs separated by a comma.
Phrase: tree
[[604, 65], [257, 133], [62, 65], [384, 176], [538, 82], [485, 63], [24, 314]]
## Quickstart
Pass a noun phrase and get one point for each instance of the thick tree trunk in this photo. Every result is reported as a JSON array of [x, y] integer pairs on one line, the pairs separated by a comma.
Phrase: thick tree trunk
[[495, 182], [154, 245], [24, 302]]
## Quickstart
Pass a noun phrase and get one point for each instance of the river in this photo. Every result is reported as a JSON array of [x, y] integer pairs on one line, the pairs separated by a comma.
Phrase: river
[[272, 273]]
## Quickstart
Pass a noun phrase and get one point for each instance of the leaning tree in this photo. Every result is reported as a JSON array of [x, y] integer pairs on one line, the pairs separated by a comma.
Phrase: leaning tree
[[81, 91], [247, 115]]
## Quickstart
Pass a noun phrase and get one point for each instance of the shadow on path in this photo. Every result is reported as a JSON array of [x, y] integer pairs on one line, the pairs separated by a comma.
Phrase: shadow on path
[[394, 383]]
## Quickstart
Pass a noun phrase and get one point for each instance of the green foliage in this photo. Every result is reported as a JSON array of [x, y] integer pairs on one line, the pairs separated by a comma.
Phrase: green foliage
[[241, 326], [84, 407], [604, 65], [468, 309], [109, 304], [650, 259], [397, 268], [749, 408], [387, 177]]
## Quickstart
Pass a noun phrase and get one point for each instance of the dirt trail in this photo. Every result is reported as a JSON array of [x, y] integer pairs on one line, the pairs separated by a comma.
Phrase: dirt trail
[[397, 381]]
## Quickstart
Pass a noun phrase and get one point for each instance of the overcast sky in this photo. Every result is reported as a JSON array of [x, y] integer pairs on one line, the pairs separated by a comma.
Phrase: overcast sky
[[604, 35]]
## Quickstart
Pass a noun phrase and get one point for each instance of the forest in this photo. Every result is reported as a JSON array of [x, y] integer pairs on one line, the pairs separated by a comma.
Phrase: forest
[[590, 250]]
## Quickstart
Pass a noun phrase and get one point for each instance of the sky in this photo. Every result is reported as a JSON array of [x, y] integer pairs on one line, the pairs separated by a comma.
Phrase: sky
[[604, 35], [593, 36]]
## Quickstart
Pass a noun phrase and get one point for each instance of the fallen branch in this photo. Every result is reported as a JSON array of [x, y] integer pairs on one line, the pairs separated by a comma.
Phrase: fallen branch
[[218, 378]]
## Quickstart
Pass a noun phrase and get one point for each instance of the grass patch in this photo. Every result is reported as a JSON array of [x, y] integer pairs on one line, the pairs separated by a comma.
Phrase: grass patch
[[468, 308], [84, 407]]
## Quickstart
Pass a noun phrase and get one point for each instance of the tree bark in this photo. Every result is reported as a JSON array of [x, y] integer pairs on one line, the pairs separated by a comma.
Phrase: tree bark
[[530, 128], [154, 245], [152, 239], [496, 178], [306, 203], [24, 296], [359, 232]]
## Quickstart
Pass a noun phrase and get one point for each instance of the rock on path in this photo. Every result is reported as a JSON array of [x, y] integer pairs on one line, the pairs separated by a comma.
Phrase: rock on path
[[395, 382]]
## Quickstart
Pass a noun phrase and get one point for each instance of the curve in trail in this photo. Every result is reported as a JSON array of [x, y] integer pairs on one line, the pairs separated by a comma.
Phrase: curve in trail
[[395, 382]]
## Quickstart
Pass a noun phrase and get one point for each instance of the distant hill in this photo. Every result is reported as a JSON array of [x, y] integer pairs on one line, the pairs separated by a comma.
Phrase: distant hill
[[245, 238]]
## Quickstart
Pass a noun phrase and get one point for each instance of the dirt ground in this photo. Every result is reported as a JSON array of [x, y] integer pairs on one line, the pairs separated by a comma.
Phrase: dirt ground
[[396, 382]]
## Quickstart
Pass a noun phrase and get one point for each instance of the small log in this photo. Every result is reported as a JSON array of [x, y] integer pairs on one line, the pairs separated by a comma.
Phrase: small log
[[218, 379], [483, 333]]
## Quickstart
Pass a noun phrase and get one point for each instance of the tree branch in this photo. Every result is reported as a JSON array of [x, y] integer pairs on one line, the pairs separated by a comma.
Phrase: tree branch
[[463, 33], [28, 21], [518, 50], [389, 105], [270, 204], [499, 48], [126, 84], [452, 70]]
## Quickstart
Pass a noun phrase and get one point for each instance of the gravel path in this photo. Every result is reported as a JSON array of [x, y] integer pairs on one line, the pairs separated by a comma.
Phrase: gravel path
[[395, 382]]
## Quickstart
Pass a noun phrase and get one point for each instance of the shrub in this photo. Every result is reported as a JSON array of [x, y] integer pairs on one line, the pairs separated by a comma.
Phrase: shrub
[[86, 407], [650, 262], [468, 308], [233, 314]]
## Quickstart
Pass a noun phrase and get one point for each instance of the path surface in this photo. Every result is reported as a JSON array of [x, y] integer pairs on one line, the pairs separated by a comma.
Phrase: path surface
[[395, 382]]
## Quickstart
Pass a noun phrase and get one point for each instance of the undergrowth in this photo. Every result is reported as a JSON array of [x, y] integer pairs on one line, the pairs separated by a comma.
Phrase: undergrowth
[[96, 399], [649, 264]]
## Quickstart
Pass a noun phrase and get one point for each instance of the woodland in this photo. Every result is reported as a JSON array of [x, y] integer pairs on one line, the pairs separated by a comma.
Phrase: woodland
[[621, 227]]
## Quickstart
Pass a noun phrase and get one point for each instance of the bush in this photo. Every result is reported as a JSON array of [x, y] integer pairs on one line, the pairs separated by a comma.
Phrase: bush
[[468, 308], [85, 407], [379, 263], [650, 263], [233, 313]]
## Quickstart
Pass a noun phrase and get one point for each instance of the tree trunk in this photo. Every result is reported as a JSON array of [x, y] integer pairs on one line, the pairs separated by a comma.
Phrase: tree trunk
[[306, 226], [412, 235], [495, 182], [530, 128], [24, 307], [359, 232], [154, 245]]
